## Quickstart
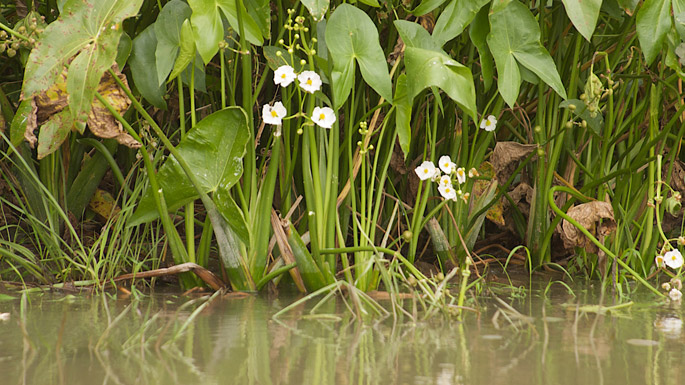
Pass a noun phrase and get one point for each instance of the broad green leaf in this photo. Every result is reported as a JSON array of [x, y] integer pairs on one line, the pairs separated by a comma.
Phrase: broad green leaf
[[514, 40], [352, 36], [124, 50], [187, 50], [54, 132], [652, 23], [208, 29], [317, 8], [214, 150], [85, 73], [454, 18], [18, 125], [426, 6], [583, 15], [168, 33], [628, 5], [478, 32], [144, 68], [372, 3], [260, 11], [403, 107], [428, 66], [232, 214], [679, 17], [343, 82], [81, 23]]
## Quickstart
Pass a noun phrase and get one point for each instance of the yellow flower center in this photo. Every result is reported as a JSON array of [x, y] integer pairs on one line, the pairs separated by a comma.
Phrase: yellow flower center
[[283, 76], [425, 171], [487, 122], [309, 82], [274, 113], [674, 258], [322, 116]]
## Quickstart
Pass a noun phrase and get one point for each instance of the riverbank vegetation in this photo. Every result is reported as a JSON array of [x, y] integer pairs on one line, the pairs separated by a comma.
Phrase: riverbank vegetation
[[347, 147]]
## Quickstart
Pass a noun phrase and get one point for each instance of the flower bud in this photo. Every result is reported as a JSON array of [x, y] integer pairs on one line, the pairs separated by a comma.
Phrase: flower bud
[[406, 235]]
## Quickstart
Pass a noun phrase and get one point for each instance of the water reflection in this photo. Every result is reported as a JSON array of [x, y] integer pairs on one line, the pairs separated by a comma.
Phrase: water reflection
[[163, 340]]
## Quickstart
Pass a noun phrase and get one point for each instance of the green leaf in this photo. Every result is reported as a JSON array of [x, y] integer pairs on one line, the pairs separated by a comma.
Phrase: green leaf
[[426, 6], [478, 32], [403, 107], [583, 15], [317, 8], [628, 5], [123, 50], [187, 50], [232, 214], [144, 68], [54, 132], [454, 18], [351, 36], [18, 125], [371, 3], [679, 17], [208, 29], [652, 23], [274, 60], [260, 11], [86, 70], [429, 66], [214, 150], [514, 40], [82, 23], [199, 74], [168, 33]]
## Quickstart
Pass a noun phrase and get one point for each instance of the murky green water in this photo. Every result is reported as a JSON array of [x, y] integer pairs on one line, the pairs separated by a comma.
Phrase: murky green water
[[94, 340]]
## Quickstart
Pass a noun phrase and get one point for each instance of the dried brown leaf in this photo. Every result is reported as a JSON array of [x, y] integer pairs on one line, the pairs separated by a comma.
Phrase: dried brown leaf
[[507, 156], [597, 217]]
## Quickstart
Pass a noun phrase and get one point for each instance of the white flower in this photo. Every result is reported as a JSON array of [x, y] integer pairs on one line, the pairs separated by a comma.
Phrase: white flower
[[489, 124], [273, 114], [673, 259], [461, 175], [473, 172], [659, 260], [324, 117], [284, 75], [447, 192], [426, 170], [310, 81], [675, 294], [446, 164], [445, 180]]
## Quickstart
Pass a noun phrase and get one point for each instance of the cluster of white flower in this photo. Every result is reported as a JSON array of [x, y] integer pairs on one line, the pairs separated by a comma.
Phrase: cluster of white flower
[[428, 171], [310, 82], [673, 288]]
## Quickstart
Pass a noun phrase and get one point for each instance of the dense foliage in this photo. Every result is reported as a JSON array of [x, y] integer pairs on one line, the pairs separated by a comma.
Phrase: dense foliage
[[339, 144]]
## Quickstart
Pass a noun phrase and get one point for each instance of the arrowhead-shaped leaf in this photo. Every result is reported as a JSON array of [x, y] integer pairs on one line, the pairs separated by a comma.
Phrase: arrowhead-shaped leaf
[[652, 24], [168, 32], [144, 67], [89, 28], [317, 8], [352, 36], [208, 28], [454, 18], [214, 150], [514, 39], [429, 66], [583, 15]]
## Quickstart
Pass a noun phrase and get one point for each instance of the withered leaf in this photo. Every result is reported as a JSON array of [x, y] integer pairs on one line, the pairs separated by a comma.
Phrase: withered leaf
[[597, 217], [50, 111], [507, 156]]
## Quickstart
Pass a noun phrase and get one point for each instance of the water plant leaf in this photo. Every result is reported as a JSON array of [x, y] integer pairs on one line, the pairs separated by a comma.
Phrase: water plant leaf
[[352, 37], [583, 15], [455, 18], [478, 32], [124, 50], [187, 49], [18, 125], [168, 33], [232, 213], [514, 40], [208, 28], [317, 8], [214, 150], [403, 107], [429, 66], [144, 67], [652, 24], [89, 30], [54, 132], [596, 216], [426, 6]]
